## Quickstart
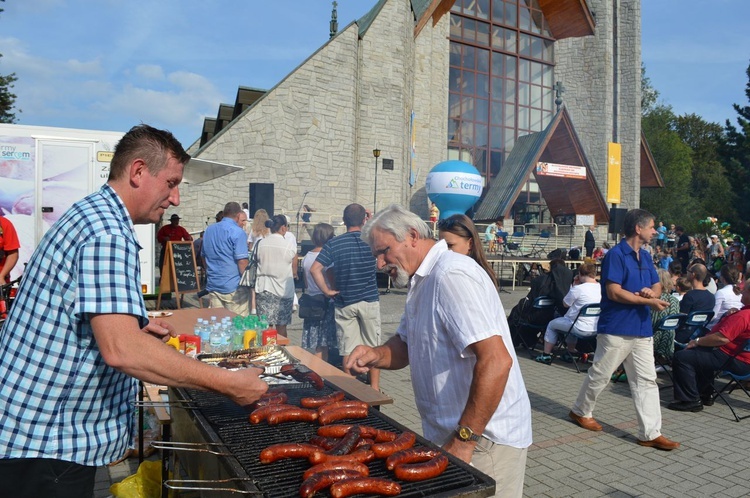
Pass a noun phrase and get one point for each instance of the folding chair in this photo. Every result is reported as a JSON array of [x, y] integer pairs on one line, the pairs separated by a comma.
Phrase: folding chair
[[693, 326], [539, 245], [515, 244], [502, 247], [735, 380], [669, 323], [541, 305], [588, 311]]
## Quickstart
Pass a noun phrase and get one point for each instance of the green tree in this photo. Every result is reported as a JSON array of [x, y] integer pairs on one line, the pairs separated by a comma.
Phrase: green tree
[[736, 159], [7, 97], [710, 184], [674, 159]]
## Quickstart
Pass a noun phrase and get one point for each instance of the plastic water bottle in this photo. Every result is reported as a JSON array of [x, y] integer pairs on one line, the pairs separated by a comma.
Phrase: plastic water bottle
[[214, 339], [226, 338], [205, 335]]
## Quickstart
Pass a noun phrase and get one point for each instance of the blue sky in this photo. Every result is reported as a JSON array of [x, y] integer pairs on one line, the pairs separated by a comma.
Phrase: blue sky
[[109, 64]]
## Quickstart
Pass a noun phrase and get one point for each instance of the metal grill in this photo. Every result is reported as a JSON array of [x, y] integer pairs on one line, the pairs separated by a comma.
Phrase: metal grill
[[283, 478]]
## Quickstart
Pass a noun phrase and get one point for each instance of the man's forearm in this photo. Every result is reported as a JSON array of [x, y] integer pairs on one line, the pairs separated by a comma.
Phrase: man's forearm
[[488, 383]]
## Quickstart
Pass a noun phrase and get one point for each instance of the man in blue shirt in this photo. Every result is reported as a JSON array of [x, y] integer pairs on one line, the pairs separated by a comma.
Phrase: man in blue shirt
[[630, 286], [78, 335], [351, 272], [225, 252]]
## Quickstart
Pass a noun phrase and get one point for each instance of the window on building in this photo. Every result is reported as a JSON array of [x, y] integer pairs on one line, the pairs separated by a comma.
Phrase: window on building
[[501, 79]]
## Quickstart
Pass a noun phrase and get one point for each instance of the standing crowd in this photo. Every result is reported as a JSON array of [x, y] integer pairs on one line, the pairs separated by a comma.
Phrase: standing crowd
[[81, 304]]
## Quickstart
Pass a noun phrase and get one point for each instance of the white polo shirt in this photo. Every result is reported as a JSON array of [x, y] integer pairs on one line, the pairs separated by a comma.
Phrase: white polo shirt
[[452, 304]]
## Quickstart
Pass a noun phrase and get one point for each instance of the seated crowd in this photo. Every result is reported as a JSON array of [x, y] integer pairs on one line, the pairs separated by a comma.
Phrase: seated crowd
[[699, 277]]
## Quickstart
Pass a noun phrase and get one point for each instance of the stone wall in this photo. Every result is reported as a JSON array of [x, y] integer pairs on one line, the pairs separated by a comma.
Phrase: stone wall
[[591, 68], [300, 136]]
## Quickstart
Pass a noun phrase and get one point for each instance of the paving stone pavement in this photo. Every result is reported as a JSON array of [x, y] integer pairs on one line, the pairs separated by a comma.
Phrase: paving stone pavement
[[566, 460]]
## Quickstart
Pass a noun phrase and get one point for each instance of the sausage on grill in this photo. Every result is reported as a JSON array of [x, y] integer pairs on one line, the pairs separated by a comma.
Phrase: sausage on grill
[[362, 455], [402, 442], [349, 403], [293, 414], [343, 413], [360, 468], [322, 480], [365, 485], [287, 450], [339, 430], [317, 401], [412, 455], [260, 414], [421, 471], [347, 443]]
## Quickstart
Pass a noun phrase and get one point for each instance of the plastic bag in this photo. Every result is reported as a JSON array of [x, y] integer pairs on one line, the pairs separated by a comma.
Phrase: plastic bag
[[145, 483]]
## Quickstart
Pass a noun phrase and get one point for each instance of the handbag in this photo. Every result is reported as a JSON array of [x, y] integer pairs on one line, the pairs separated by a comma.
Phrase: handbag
[[313, 307], [250, 275]]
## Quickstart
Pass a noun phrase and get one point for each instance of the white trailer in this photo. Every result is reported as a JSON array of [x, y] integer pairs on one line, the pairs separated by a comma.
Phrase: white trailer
[[44, 170]]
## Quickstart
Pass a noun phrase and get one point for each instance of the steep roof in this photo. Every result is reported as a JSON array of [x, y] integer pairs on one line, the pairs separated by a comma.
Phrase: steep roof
[[558, 143]]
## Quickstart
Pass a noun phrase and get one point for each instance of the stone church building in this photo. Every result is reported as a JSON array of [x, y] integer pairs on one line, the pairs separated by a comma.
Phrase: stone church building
[[423, 81]]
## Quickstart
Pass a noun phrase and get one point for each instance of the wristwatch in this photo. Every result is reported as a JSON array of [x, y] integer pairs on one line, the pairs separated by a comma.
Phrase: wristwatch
[[465, 433]]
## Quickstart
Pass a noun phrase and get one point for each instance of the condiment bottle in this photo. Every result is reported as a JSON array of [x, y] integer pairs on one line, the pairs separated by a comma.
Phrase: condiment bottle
[[269, 336]]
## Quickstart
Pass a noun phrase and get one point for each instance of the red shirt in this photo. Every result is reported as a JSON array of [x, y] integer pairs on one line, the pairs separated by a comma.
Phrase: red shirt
[[8, 240], [173, 233], [736, 328]]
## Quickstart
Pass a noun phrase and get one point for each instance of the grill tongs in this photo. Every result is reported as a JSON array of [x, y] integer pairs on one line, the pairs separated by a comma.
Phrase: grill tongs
[[300, 373], [203, 484]]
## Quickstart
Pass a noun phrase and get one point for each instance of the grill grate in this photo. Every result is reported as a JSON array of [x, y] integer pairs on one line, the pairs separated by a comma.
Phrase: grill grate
[[284, 478]]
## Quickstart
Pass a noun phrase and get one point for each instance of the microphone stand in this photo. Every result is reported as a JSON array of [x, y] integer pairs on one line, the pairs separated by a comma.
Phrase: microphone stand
[[300, 209]]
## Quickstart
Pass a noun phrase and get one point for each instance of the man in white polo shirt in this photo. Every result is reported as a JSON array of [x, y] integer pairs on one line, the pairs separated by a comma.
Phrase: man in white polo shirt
[[454, 335]]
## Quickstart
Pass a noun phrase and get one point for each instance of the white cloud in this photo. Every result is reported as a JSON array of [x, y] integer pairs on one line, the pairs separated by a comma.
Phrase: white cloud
[[150, 71]]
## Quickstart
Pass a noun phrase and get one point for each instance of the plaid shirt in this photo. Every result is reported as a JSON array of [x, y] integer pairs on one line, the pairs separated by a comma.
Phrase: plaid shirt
[[58, 399]]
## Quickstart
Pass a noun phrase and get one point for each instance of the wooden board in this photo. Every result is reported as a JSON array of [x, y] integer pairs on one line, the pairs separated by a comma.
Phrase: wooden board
[[180, 271]]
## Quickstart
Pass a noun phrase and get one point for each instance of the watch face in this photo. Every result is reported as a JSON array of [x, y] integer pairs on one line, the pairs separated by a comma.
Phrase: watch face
[[464, 433]]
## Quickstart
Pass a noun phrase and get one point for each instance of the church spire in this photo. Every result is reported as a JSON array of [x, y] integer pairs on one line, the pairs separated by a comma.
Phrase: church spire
[[334, 24]]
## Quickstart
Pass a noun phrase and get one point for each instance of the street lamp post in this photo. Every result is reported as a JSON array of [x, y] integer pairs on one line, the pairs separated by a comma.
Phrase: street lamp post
[[376, 153]]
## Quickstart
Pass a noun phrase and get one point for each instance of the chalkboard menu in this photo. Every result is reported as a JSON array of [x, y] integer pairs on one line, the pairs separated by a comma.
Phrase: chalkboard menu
[[179, 273]]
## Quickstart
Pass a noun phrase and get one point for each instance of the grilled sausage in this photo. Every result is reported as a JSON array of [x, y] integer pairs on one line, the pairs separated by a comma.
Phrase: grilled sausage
[[324, 442], [402, 442], [365, 485], [287, 450], [360, 468], [343, 413], [260, 414], [412, 455], [346, 444], [339, 430], [318, 401], [421, 471], [342, 404], [362, 455], [274, 399], [320, 481], [364, 442], [293, 414]]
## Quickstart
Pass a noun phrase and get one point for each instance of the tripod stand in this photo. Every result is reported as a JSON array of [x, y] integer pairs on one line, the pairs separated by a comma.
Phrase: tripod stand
[[500, 288]]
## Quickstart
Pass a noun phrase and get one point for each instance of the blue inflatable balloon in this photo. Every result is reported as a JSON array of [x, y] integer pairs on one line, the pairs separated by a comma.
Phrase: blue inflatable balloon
[[454, 186]]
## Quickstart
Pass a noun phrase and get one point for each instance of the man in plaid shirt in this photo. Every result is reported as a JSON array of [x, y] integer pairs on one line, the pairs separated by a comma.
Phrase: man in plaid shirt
[[78, 335]]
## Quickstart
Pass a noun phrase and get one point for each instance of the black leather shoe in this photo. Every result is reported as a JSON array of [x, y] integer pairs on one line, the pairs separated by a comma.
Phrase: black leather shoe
[[685, 406], [707, 400]]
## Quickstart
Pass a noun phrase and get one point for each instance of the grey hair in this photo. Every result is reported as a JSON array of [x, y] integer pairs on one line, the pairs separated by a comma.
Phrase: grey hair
[[398, 222]]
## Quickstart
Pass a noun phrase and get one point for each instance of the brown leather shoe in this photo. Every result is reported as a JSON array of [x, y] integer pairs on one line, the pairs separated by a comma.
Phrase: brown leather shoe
[[660, 443], [587, 423]]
